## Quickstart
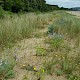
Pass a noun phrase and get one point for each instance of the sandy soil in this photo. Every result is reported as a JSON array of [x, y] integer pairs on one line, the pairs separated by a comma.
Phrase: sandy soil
[[76, 13]]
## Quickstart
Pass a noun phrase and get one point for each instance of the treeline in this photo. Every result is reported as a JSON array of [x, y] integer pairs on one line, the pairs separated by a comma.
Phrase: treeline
[[25, 5]]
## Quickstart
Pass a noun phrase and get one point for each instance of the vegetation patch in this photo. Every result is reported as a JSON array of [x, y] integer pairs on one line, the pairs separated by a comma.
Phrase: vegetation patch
[[41, 51], [6, 70]]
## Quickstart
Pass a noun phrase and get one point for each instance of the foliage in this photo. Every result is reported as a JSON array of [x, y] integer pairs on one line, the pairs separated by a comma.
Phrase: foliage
[[6, 69], [28, 6], [2, 13], [10, 74], [40, 51], [24, 5]]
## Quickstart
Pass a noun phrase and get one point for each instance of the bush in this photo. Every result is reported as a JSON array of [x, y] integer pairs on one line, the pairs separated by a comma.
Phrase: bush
[[2, 13]]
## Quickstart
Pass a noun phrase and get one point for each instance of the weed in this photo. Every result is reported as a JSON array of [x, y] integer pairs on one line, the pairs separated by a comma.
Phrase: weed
[[40, 74], [49, 67], [10, 74], [56, 42], [59, 72], [40, 51], [6, 69], [28, 67]]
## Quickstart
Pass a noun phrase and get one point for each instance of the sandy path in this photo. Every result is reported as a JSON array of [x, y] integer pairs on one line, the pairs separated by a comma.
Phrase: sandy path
[[76, 13]]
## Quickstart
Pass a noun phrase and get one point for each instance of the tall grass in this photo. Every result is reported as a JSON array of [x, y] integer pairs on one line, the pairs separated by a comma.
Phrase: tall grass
[[16, 27], [64, 47], [67, 24]]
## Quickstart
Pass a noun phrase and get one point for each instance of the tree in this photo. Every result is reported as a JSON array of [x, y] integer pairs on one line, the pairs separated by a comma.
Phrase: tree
[[25, 5]]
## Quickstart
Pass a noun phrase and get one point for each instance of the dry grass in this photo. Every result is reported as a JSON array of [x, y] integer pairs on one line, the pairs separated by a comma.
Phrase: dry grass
[[17, 27]]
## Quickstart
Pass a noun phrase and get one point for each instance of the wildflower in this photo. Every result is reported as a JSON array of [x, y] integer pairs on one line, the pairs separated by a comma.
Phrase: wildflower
[[34, 68]]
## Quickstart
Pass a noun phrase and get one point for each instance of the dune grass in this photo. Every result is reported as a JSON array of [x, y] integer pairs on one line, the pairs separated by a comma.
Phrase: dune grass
[[67, 25], [16, 27], [64, 47]]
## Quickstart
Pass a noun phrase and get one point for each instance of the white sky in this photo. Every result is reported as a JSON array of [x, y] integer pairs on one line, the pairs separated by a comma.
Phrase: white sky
[[65, 3]]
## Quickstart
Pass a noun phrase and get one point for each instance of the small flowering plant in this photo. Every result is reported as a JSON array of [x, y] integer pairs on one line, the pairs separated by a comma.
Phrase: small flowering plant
[[40, 73]]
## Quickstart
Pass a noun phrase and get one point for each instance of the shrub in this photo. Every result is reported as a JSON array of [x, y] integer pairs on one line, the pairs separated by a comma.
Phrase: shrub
[[2, 13]]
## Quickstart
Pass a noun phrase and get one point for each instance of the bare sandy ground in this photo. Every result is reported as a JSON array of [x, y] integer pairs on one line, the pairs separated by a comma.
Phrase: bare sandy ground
[[76, 13]]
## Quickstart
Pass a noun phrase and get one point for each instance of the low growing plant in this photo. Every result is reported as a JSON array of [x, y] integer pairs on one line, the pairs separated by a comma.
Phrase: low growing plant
[[6, 69], [56, 42], [40, 51]]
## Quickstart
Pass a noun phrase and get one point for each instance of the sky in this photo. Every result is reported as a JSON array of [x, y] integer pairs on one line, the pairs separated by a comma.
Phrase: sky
[[65, 3]]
